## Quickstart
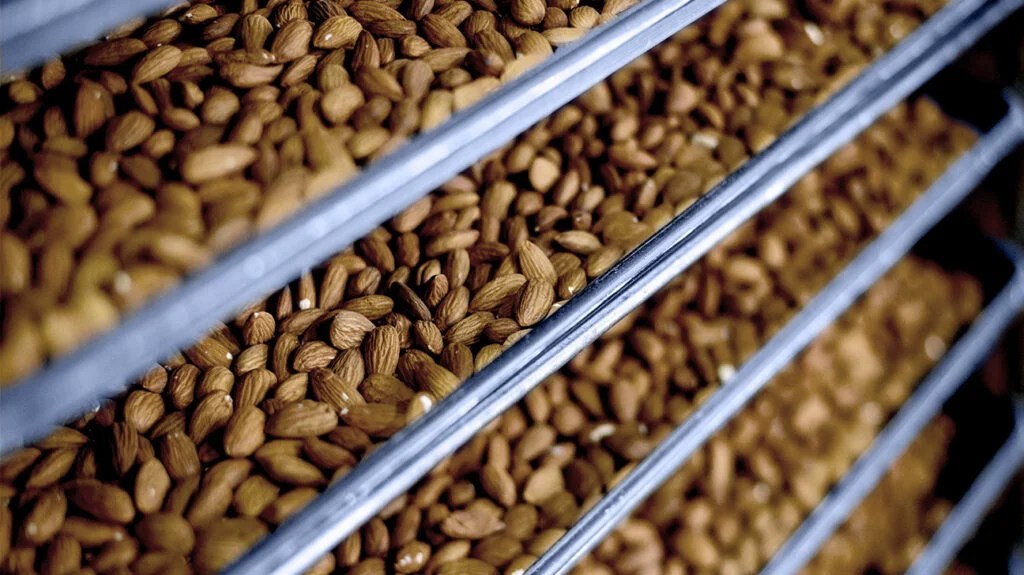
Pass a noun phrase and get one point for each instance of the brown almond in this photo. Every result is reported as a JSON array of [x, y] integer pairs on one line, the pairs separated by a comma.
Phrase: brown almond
[[254, 387], [126, 446], [337, 32], [436, 379], [179, 455], [340, 103], [115, 555], [451, 241], [211, 413], [348, 329], [151, 486], [322, 10], [259, 328], [534, 263], [247, 75], [216, 161], [312, 355], [62, 181], [244, 432], [288, 504], [579, 242], [497, 292], [428, 336], [303, 419], [46, 517], [292, 41], [535, 300], [375, 419], [563, 35], [326, 455], [499, 485], [471, 524], [373, 11], [223, 541], [114, 52], [254, 31], [51, 467], [378, 82], [156, 64], [103, 501], [542, 484], [441, 32], [333, 390], [291, 470], [166, 532], [528, 12], [254, 495], [381, 350], [130, 130]]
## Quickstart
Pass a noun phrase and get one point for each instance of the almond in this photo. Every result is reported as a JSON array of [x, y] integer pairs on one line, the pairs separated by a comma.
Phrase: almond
[[46, 518], [244, 432], [497, 292], [211, 413], [179, 455], [156, 64], [337, 32], [223, 541], [130, 130], [103, 501], [534, 302], [302, 419], [166, 532], [381, 350], [441, 32], [151, 486], [348, 328], [217, 161], [528, 12], [333, 390], [114, 52]]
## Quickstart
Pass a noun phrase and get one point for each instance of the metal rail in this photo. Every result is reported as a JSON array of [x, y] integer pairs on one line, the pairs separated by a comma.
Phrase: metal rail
[[102, 367], [410, 454], [922, 407], [968, 514], [819, 313], [33, 31]]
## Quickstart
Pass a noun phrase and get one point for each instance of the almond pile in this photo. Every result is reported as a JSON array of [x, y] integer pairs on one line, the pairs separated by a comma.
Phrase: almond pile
[[733, 505], [208, 452], [141, 158], [890, 528]]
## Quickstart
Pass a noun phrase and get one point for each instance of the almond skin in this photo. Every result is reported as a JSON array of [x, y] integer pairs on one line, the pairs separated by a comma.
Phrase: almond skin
[[216, 162], [244, 432], [303, 419], [103, 501], [156, 64]]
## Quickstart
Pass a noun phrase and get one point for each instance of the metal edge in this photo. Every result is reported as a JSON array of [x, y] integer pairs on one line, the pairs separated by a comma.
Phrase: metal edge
[[925, 403], [174, 320], [36, 30], [1016, 562], [962, 522], [873, 261], [411, 453]]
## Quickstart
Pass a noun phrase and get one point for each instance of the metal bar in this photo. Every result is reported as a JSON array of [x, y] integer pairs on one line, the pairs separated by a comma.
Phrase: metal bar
[[829, 304], [921, 408], [968, 514], [410, 454], [103, 366], [34, 31], [1016, 562]]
